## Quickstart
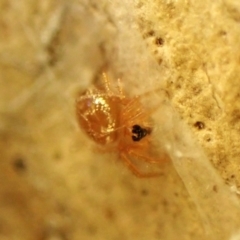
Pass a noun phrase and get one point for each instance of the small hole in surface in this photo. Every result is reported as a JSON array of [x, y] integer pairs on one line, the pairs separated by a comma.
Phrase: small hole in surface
[[159, 41], [207, 137], [19, 164], [144, 192], [215, 188], [160, 61], [199, 125], [151, 33]]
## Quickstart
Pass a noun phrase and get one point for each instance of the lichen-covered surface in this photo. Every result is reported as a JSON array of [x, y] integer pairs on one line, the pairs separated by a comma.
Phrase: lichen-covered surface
[[54, 183]]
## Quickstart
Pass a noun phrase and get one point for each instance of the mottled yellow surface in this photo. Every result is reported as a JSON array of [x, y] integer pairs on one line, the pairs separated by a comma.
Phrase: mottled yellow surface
[[54, 184]]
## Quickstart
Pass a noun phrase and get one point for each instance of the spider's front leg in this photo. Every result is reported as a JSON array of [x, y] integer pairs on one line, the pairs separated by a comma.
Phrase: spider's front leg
[[135, 170]]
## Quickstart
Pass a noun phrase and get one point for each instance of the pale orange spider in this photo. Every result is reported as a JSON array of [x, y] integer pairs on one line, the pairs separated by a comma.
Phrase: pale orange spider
[[118, 123]]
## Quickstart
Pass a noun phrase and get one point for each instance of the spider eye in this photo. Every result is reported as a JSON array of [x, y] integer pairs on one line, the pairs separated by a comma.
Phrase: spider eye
[[138, 133]]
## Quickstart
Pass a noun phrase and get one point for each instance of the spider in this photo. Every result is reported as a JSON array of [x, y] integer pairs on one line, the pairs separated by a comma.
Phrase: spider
[[117, 123]]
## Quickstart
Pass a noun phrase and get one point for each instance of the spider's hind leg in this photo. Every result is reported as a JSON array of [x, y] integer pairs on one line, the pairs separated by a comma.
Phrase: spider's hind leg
[[135, 170], [145, 158]]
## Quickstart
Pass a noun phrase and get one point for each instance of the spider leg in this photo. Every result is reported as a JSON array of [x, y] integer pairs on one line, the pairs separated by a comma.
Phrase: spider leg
[[106, 83], [136, 100], [132, 115], [120, 89], [135, 171], [144, 158], [132, 111], [130, 104], [150, 92]]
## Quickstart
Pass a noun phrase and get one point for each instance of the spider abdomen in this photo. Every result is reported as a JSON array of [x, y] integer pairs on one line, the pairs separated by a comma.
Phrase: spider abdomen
[[97, 115]]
